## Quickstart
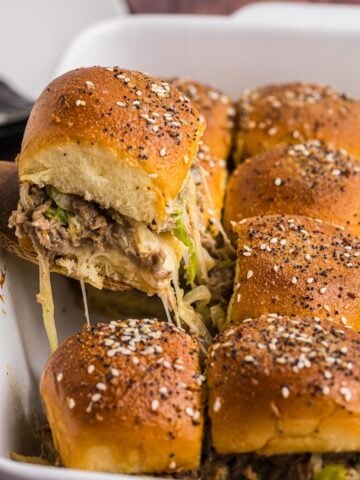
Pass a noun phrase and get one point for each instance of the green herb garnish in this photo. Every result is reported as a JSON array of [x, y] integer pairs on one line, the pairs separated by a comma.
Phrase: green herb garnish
[[181, 232], [331, 472]]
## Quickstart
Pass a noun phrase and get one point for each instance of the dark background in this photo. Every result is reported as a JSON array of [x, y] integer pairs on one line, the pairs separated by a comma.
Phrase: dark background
[[200, 6]]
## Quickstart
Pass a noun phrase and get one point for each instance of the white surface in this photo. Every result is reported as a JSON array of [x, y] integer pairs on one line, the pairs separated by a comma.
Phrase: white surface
[[304, 16], [227, 52], [33, 33]]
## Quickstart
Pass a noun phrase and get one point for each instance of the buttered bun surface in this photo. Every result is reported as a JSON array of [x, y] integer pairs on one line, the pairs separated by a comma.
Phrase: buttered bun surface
[[307, 179], [126, 397], [293, 265], [282, 385], [117, 137], [293, 113]]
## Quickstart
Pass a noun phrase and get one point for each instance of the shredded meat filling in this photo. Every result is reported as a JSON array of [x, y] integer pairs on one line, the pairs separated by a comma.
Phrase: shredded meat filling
[[279, 467], [87, 226]]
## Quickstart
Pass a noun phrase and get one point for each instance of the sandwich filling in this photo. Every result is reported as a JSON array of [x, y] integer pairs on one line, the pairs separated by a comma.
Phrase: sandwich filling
[[69, 231]]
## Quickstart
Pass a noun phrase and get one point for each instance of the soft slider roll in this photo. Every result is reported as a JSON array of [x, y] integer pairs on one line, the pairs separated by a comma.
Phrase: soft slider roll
[[126, 397], [283, 385]]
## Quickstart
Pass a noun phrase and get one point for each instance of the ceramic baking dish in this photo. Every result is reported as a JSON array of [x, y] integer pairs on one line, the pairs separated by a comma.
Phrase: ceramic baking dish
[[263, 44]]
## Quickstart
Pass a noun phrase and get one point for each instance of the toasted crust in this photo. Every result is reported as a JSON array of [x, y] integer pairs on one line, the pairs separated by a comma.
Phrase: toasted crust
[[218, 111], [296, 266], [281, 385], [128, 407], [293, 113], [96, 126], [306, 179]]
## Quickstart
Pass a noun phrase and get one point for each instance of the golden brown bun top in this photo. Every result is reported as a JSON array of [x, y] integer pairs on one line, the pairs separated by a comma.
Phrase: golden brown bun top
[[306, 179], [142, 119], [290, 357], [110, 371], [296, 112], [218, 112], [296, 266], [282, 385]]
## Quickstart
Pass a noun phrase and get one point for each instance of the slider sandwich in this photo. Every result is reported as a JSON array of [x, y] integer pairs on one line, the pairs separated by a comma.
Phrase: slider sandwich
[[209, 172], [284, 400], [292, 113], [106, 192], [294, 265], [308, 179], [126, 397]]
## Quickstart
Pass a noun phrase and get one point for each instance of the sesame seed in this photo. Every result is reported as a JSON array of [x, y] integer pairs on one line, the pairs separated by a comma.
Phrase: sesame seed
[[96, 397], [90, 369], [249, 274], [163, 390], [217, 404], [310, 280], [172, 465], [115, 372], [59, 377], [323, 290], [71, 403], [276, 268], [120, 104], [336, 172], [346, 393], [189, 411], [272, 131], [163, 152], [249, 359], [285, 392], [155, 405], [89, 84], [294, 280], [325, 390], [135, 360], [101, 386], [79, 103], [186, 159], [277, 182], [138, 93], [153, 175], [155, 128]]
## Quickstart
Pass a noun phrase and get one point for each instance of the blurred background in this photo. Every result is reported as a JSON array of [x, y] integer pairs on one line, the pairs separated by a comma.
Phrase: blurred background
[[33, 35]]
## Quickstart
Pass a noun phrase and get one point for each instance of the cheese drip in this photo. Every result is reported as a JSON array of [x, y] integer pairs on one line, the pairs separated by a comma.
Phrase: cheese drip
[[45, 298]]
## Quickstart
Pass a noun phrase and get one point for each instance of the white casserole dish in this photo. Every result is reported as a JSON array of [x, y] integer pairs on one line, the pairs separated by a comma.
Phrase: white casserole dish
[[263, 44]]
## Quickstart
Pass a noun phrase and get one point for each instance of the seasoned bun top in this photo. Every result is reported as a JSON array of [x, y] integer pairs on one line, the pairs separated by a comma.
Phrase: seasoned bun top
[[111, 131], [217, 110], [293, 113], [282, 385], [130, 386], [307, 179], [294, 265]]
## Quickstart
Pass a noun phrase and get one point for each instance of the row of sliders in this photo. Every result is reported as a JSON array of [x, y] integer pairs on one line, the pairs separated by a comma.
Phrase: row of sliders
[[118, 190]]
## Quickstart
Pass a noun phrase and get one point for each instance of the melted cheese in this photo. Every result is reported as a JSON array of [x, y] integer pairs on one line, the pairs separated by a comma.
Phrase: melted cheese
[[85, 302], [45, 298]]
